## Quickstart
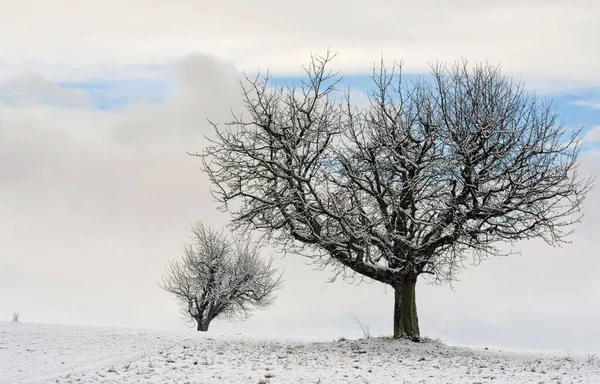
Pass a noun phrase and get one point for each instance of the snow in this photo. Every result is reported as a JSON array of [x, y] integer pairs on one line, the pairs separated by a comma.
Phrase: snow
[[36, 353]]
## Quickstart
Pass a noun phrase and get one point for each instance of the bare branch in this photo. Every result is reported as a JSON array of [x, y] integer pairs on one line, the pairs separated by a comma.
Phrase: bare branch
[[429, 175]]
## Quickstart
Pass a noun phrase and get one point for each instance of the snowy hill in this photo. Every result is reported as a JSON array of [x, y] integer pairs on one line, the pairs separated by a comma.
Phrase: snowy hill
[[35, 353]]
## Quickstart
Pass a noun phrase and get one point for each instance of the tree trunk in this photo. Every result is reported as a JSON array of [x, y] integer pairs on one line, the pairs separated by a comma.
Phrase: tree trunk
[[203, 324], [406, 322]]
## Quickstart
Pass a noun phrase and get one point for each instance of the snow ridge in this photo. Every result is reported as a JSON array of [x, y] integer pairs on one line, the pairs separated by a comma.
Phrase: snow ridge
[[36, 353]]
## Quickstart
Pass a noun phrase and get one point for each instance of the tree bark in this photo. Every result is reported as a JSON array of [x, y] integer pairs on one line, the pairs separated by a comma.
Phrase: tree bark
[[203, 324], [406, 322]]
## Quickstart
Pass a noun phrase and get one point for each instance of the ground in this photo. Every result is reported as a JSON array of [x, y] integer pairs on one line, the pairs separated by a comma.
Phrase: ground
[[35, 353]]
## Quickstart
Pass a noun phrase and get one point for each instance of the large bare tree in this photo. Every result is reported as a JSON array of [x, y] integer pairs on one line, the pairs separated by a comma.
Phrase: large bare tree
[[220, 277], [428, 175]]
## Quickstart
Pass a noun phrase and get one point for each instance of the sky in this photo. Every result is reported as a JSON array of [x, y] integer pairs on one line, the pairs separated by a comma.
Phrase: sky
[[99, 102]]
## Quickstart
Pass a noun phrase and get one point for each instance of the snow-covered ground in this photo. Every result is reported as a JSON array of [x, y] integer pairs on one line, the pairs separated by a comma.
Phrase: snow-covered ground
[[35, 353]]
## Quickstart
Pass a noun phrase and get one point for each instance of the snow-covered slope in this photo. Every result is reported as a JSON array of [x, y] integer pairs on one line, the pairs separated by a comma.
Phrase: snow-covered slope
[[34, 353]]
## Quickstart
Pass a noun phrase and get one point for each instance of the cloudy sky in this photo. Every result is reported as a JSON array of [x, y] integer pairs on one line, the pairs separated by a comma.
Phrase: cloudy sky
[[99, 102]]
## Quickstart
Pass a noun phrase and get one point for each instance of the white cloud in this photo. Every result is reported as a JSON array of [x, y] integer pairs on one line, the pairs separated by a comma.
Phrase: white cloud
[[592, 104], [94, 204], [593, 135], [547, 42], [33, 88]]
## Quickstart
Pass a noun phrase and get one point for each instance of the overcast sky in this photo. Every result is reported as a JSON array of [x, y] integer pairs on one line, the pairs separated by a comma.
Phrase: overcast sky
[[99, 102]]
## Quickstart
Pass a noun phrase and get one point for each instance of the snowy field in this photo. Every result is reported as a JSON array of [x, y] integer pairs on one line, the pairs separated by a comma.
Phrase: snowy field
[[34, 353]]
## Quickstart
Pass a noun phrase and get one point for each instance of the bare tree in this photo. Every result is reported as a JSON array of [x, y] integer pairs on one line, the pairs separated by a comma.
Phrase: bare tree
[[220, 277], [427, 176]]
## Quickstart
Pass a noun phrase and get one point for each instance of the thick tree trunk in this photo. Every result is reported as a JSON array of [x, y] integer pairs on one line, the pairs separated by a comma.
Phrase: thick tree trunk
[[406, 322], [203, 324]]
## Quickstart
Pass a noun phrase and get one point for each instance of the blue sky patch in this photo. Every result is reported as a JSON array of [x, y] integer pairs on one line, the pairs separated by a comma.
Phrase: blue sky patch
[[117, 94], [574, 107]]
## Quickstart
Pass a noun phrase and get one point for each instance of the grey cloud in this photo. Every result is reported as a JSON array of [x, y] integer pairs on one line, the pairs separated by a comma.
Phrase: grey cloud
[[207, 89]]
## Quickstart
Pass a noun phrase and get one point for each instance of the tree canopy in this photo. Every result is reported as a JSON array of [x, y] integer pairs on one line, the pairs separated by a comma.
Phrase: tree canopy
[[220, 277], [427, 175]]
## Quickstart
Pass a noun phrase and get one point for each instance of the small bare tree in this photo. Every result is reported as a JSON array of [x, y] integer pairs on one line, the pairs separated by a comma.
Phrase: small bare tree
[[16, 317], [429, 174], [220, 277]]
